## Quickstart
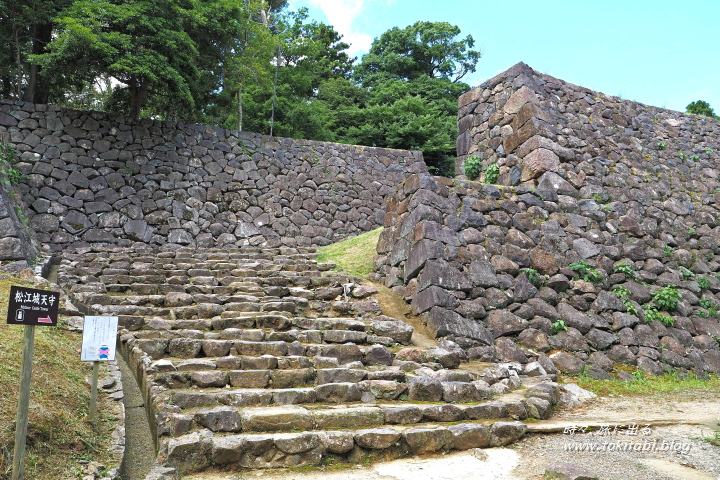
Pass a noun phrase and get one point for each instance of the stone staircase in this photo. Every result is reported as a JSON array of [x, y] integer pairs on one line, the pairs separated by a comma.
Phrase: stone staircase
[[266, 358]]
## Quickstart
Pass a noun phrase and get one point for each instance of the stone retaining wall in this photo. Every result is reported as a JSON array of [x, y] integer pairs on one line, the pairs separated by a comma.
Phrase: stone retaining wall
[[96, 178], [630, 190], [17, 241]]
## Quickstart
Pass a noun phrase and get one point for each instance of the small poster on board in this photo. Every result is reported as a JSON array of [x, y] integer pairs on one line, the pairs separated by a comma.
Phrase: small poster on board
[[99, 336]]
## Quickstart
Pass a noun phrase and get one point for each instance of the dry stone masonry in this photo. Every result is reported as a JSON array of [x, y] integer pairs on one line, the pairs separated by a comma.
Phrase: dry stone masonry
[[95, 178], [253, 358], [626, 194], [598, 246]]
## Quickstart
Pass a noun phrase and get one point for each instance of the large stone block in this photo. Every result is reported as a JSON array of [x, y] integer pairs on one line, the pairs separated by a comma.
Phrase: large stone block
[[443, 322], [538, 162], [441, 273], [519, 98]]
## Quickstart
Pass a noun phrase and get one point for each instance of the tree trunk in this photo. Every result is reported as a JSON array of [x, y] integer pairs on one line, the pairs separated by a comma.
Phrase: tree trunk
[[240, 112], [38, 86], [138, 91], [18, 61]]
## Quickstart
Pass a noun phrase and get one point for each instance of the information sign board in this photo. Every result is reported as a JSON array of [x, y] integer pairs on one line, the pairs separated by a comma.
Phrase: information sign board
[[99, 336], [29, 306]]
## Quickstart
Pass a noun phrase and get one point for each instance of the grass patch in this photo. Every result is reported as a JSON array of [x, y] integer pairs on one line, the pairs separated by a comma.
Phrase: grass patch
[[714, 440], [58, 433], [651, 385], [354, 255]]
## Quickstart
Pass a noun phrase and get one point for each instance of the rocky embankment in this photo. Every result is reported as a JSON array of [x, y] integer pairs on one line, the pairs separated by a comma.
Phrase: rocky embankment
[[598, 246]]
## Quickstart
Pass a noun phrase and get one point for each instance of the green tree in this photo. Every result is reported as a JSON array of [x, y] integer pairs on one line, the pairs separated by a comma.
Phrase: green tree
[[25, 29], [310, 54], [423, 49], [142, 44], [171, 57], [700, 107], [412, 80]]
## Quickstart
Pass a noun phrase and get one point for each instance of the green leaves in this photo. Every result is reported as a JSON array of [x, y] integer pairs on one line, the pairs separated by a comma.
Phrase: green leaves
[[701, 107], [423, 49], [667, 298]]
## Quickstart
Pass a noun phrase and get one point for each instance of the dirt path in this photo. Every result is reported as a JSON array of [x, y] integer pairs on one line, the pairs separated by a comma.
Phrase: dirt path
[[673, 443]]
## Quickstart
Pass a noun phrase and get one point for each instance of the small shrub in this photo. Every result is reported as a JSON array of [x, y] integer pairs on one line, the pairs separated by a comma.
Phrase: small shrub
[[709, 151], [694, 158], [586, 272], [532, 275], [621, 292], [653, 315], [686, 274], [492, 173], [626, 269], [662, 145], [630, 307], [682, 156], [667, 298], [707, 304], [473, 167], [668, 250], [8, 157], [703, 283], [558, 325]]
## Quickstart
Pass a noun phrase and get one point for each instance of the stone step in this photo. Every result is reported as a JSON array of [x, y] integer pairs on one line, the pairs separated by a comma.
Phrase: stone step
[[198, 450], [246, 411], [339, 385]]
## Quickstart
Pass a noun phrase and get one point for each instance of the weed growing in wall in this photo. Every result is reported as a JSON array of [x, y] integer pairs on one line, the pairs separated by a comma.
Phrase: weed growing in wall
[[8, 157], [586, 272], [626, 269], [492, 173], [559, 325], [653, 315], [473, 167], [667, 298]]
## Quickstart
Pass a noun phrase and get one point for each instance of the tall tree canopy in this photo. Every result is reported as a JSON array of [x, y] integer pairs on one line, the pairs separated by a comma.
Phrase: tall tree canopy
[[26, 28], [168, 55], [422, 49], [242, 64], [412, 78]]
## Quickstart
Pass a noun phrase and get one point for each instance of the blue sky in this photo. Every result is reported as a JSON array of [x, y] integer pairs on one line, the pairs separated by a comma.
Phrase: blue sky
[[660, 53]]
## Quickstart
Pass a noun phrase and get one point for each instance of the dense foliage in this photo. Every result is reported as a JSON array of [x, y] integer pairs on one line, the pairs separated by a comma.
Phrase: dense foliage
[[701, 107], [241, 64]]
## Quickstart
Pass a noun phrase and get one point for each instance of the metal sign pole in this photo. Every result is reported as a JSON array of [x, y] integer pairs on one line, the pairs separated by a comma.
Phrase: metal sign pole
[[92, 416], [18, 472]]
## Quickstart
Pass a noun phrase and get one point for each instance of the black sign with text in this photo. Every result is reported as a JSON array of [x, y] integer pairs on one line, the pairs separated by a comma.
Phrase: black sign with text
[[28, 306]]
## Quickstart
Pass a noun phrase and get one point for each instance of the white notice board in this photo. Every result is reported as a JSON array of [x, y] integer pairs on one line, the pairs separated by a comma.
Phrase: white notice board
[[99, 336]]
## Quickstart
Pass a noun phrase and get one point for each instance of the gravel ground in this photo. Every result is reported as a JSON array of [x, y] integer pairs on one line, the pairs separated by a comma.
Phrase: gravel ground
[[686, 455]]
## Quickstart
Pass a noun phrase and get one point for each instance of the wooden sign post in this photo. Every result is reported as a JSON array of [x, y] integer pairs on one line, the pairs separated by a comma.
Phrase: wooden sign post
[[29, 307]]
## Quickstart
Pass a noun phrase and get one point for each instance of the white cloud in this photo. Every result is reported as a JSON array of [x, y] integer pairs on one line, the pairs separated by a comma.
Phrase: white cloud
[[341, 14]]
